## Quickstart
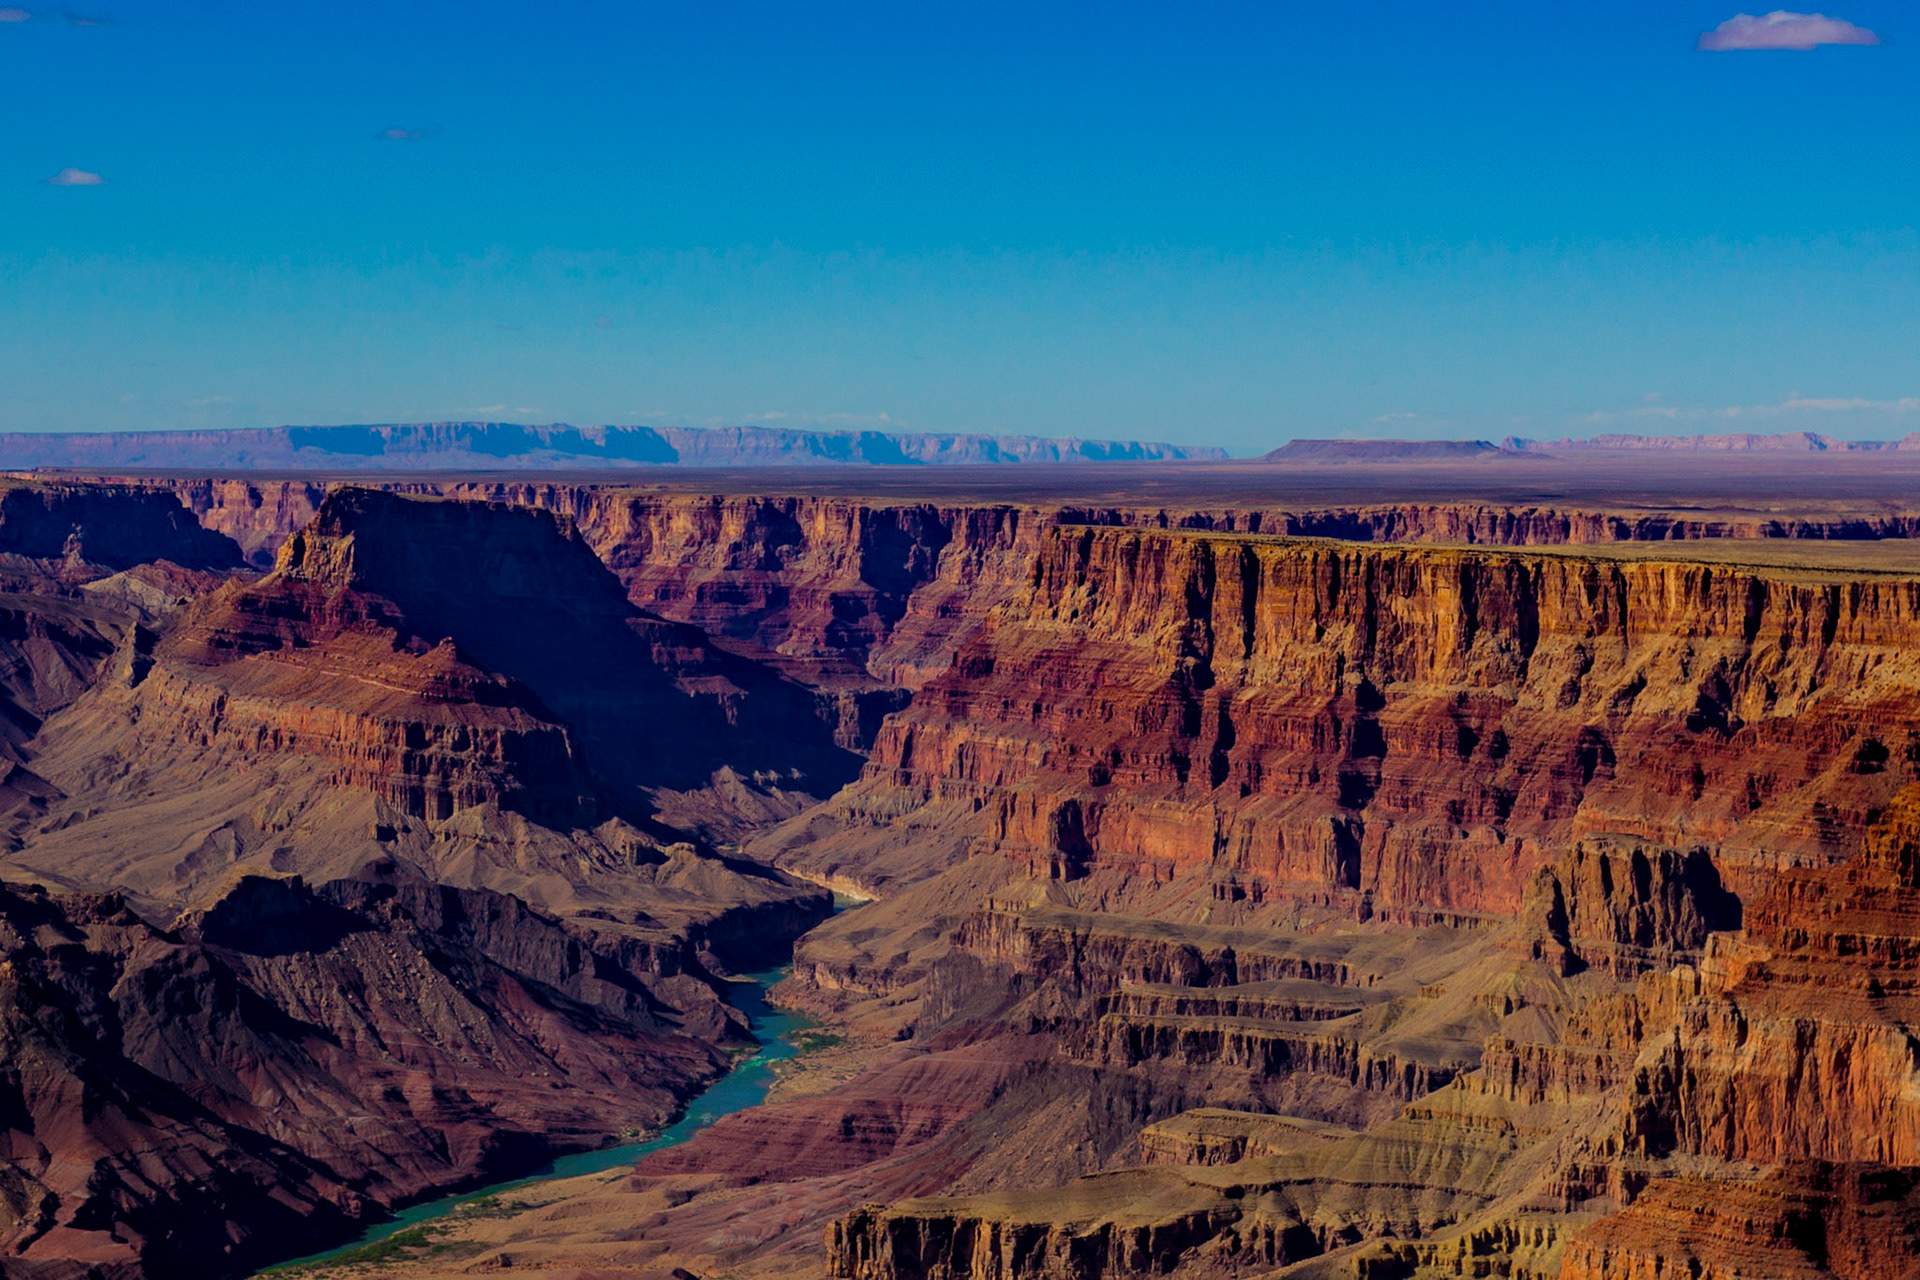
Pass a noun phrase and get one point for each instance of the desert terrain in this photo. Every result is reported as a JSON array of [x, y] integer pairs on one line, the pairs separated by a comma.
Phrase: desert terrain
[[1351, 864]]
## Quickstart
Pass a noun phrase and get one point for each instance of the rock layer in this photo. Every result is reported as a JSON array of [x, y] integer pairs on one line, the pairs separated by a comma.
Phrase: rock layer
[[1399, 729], [284, 1060]]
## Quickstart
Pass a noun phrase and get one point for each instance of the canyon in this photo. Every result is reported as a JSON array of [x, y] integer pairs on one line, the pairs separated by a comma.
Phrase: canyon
[[1359, 868]]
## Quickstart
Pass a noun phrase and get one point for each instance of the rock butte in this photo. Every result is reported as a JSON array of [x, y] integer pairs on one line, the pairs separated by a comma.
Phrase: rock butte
[[1436, 884]]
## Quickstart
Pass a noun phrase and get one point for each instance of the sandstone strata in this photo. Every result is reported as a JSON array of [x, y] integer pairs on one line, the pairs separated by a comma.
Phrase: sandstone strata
[[1402, 730], [1788, 1048]]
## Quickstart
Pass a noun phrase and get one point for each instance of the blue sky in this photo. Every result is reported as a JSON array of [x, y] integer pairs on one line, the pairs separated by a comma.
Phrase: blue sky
[[1211, 223]]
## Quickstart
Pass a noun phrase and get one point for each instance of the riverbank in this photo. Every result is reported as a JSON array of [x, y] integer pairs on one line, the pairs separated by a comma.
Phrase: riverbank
[[745, 1086]]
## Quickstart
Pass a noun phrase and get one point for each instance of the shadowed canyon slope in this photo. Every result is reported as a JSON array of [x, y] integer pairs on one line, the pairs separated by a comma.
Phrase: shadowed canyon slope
[[375, 913], [1425, 885]]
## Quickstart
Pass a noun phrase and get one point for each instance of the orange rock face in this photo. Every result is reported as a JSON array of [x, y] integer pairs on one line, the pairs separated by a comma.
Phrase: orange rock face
[[1855, 1222], [1400, 729]]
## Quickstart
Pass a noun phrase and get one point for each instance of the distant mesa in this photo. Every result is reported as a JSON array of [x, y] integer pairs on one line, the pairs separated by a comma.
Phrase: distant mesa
[[495, 446], [1786, 442], [1728, 442], [1385, 451]]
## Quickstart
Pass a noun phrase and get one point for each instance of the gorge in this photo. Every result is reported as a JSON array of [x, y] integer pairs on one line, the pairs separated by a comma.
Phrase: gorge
[[1456, 881]]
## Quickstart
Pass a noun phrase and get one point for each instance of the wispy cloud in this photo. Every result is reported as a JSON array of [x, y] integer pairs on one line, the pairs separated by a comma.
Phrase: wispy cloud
[[75, 178], [1793, 404], [16, 15], [1783, 30], [398, 134], [1905, 404], [88, 19], [857, 421]]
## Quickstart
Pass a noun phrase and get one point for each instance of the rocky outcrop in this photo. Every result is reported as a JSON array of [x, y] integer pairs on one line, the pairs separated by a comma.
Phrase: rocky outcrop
[[447, 656], [50, 652], [1217, 1136], [1796, 1041], [1789, 1047], [878, 1244], [284, 1060], [1802, 1221], [462, 689], [1627, 907], [1397, 730], [1090, 952], [88, 529], [258, 515], [1266, 1050]]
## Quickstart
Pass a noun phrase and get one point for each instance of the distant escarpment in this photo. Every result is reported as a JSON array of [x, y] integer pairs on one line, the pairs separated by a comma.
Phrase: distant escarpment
[[853, 594], [282, 1061], [483, 446], [1386, 451], [1721, 442]]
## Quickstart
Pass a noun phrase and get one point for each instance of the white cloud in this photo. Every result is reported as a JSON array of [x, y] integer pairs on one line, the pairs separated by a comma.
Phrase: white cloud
[[1783, 30], [858, 420], [1791, 405], [76, 178], [1905, 404], [15, 15]]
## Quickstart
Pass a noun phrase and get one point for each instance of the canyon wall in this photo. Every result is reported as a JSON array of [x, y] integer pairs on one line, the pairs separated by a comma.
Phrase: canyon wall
[[1398, 729], [85, 526], [282, 1061], [1745, 1112]]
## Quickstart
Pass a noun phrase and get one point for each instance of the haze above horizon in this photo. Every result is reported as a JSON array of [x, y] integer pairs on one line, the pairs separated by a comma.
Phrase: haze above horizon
[[1226, 224]]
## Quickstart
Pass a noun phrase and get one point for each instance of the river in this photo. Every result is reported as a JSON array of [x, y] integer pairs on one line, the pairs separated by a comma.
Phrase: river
[[745, 1086]]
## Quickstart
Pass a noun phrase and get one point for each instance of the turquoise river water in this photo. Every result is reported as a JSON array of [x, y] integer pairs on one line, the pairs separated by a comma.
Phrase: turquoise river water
[[745, 1086]]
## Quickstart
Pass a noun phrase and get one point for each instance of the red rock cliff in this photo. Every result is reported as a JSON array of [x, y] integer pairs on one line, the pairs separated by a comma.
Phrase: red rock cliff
[[1404, 727]]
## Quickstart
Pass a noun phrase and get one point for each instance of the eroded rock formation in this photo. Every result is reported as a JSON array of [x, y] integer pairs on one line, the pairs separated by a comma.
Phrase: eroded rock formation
[[1337, 903], [1401, 730], [283, 1060]]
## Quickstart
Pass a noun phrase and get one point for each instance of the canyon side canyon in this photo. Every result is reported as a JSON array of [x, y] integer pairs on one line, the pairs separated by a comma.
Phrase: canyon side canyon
[[1309, 868]]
